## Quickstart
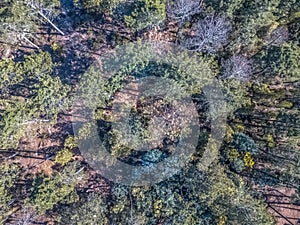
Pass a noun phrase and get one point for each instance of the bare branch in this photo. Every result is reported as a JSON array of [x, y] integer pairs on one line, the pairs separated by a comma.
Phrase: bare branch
[[183, 10], [30, 42], [209, 34], [236, 67], [39, 8], [278, 36]]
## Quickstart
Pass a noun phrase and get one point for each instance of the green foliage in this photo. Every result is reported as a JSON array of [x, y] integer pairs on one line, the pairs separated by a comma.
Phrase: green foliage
[[65, 155], [254, 20], [146, 13], [282, 60], [200, 198], [244, 143], [58, 188], [97, 91], [230, 199], [15, 19], [36, 96], [9, 175], [262, 108], [97, 6], [91, 209], [91, 6], [19, 19], [235, 92], [238, 165]]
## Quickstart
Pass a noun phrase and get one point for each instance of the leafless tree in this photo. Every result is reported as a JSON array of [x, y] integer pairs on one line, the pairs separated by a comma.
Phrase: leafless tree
[[237, 67], [278, 36], [209, 34], [22, 23], [44, 12], [15, 33], [25, 217], [183, 10]]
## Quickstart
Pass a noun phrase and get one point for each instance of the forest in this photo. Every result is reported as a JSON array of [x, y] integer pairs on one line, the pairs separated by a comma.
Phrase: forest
[[150, 112]]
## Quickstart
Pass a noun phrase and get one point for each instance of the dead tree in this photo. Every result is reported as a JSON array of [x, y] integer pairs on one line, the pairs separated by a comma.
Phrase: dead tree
[[237, 67], [183, 10], [278, 36], [209, 34], [43, 12]]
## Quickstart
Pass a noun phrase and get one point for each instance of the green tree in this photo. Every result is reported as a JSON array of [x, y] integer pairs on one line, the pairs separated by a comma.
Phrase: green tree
[[282, 61], [64, 155], [91, 209], [146, 13], [57, 188], [30, 96], [9, 176]]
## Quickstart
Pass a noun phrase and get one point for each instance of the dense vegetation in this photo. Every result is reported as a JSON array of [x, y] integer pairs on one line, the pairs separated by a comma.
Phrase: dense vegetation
[[53, 50]]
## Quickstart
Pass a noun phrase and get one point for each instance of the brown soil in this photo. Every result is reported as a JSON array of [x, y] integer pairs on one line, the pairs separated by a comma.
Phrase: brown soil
[[280, 204]]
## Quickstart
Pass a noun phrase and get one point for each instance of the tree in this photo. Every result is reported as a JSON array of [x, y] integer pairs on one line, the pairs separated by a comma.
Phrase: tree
[[58, 188], [91, 209], [46, 10], [31, 96], [236, 67], [16, 22], [64, 155], [281, 61], [91, 6], [146, 13], [209, 34], [181, 10], [20, 19], [190, 197], [9, 175]]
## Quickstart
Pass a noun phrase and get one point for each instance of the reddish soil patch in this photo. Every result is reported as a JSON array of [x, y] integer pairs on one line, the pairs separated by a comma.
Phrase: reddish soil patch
[[281, 205]]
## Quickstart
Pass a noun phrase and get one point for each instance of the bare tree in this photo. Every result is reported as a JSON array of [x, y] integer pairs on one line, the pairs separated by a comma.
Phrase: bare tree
[[15, 33], [278, 36], [45, 12], [237, 67], [20, 23], [16, 24], [24, 217], [183, 10], [209, 34]]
